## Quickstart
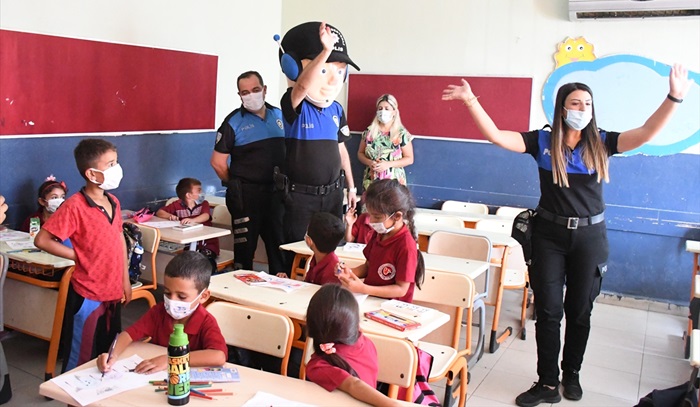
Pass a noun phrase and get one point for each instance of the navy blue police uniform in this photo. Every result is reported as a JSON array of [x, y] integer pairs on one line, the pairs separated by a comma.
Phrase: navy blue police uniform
[[256, 146], [569, 247]]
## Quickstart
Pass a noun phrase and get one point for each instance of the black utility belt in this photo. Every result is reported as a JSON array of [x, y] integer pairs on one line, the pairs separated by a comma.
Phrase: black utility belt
[[315, 189], [570, 223]]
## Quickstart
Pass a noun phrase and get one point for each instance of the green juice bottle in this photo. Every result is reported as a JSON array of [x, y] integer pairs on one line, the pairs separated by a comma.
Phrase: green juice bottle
[[178, 367]]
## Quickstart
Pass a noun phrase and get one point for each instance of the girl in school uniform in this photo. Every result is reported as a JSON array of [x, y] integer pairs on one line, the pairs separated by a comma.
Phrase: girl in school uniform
[[394, 265], [51, 195], [343, 358]]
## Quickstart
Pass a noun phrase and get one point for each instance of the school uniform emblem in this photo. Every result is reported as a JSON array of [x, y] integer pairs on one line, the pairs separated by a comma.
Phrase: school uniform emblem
[[279, 124], [387, 271], [336, 120]]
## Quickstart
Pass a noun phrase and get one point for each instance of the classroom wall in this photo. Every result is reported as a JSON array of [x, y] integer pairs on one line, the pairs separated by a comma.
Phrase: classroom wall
[[653, 202]]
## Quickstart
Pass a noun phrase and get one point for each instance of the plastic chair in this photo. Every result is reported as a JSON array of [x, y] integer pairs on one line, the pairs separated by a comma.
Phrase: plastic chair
[[171, 200], [150, 240], [449, 361], [509, 211], [515, 276], [438, 220], [465, 207], [397, 361], [254, 329]]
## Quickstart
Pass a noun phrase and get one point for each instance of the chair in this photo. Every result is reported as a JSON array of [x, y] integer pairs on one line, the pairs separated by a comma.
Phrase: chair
[[255, 330], [430, 219], [171, 200], [514, 277], [150, 240], [509, 211], [397, 360], [222, 217], [465, 207]]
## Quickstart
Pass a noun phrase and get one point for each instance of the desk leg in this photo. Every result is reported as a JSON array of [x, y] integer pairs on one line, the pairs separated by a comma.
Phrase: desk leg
[[57, 324], [297, 269], [496, 339]]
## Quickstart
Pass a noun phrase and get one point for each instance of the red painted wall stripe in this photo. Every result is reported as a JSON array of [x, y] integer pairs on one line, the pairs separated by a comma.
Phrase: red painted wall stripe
[[51, 85]]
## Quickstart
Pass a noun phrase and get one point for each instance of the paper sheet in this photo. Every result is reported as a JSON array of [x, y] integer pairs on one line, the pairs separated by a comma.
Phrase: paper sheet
[[12, 235], [20, 244], [354, 247], [266, 399], [161, 224], [87, 386]]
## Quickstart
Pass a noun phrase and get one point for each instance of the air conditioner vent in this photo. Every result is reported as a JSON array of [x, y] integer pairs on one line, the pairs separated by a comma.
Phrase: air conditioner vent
[[608, 9], [636, 14]]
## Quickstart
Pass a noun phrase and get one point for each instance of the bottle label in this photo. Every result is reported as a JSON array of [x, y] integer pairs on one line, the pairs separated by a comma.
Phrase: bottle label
[[178, 376]]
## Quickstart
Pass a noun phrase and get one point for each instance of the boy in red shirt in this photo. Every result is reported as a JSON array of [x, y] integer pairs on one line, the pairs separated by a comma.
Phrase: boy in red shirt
[[91, 219], [186, 288], [324, 233]]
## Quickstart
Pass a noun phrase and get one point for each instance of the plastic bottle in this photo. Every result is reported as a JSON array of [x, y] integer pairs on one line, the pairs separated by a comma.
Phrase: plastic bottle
[[178, 367], [135, 263]]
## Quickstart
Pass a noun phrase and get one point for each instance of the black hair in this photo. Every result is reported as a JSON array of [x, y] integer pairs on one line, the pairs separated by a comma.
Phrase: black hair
[[326, 231], [388, 196], [184, 186], [191, 265], [333, 316], [48, 186], [248, 74], [89, 151]]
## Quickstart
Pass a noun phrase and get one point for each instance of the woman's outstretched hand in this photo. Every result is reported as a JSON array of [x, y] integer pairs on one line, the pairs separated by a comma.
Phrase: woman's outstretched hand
[[678, 81]]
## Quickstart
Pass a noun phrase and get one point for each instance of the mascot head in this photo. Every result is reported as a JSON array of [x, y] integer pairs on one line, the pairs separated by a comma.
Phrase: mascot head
[[300, 45]]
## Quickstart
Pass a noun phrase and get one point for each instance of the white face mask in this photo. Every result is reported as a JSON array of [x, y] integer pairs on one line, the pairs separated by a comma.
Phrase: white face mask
[[380, 228], [53, 204], [112, 177], [385, 116], [253, 101], [180, 309], [578, 119]]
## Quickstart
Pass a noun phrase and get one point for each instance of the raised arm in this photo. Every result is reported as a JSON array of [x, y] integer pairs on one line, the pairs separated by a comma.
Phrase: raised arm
[[510, 140], [309, 77], [678, 87]]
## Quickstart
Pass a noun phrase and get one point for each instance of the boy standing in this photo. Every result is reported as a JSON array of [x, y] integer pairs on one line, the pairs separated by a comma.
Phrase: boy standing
[[91, 219], [186, 288], [323, 235], [192, 208]]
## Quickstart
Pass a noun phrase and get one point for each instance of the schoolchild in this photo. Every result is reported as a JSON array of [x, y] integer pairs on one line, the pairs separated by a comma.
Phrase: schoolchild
[[394, 265], [358, 229], [343, 358], [323, 235], [569, 241], [191, 207], [186, 290], [51, 195], [91, 219]]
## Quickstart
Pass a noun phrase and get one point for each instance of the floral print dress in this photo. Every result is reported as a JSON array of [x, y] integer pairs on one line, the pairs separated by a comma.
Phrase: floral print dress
[[380, 146]]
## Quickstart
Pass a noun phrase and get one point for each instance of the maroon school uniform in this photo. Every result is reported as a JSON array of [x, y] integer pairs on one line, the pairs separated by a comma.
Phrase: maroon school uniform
[[202, 329], [391, 260], [361, 229], [179, 208], [323, 272], [362, 356]]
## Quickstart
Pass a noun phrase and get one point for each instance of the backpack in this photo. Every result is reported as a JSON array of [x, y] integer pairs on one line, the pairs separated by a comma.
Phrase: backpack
[[422, 393], [683, 395], [132, 237]]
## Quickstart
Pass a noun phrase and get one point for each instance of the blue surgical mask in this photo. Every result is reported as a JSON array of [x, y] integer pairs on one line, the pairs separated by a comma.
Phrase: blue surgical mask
[[200, 199], [578, 119]]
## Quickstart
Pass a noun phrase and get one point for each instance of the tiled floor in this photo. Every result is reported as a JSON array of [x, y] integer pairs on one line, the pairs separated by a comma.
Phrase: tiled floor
[[634, 347]]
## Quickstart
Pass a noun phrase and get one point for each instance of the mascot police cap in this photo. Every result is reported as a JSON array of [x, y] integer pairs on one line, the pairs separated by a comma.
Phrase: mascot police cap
[[303, 42]]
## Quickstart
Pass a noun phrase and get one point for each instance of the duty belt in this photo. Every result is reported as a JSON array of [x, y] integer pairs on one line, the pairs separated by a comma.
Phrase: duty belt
[[570, 223], [315, 189]]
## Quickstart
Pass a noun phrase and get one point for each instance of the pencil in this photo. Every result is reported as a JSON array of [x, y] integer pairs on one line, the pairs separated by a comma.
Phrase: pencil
[[196, 393], [109, 355]]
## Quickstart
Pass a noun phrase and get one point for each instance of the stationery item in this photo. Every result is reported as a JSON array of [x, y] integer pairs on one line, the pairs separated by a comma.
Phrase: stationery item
[[215, 374], [25, 251], [354, 247], [178, 367], [161, 224], [407, 310], [251, 279], [21, 244], [9, 235], [270, 281], [391, 320], [188, 227], [111, 352]]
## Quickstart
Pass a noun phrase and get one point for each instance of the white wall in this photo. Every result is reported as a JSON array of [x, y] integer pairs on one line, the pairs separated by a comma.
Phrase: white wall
[[238, 32], [487, 37]]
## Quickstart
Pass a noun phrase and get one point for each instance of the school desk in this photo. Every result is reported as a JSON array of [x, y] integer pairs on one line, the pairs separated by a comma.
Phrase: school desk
[[33, 305], [216, 200], [294, 304], [252, 381], [693, 247], [469, 219], [190, 237]]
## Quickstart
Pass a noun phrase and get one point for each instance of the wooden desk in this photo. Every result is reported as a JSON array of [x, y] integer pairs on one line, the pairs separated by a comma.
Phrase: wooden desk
[[469, 219], [251, 382], [294, 304], [35, 306]]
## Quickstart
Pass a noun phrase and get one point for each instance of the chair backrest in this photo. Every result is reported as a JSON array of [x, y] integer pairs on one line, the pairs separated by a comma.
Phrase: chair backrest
[[430, 219], [4, 263], [171, 200], [221, 216], [509, 211], [150, 239], [254, 329], [397, 360], [495, 225], [460, 245], [465, 207]]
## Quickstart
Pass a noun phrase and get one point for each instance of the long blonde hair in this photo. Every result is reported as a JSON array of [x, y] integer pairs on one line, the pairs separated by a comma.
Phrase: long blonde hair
[[594, 153], [395, 129]]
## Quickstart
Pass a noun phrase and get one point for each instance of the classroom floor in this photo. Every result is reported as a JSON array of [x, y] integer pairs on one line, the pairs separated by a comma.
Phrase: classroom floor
[[634, 347]]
